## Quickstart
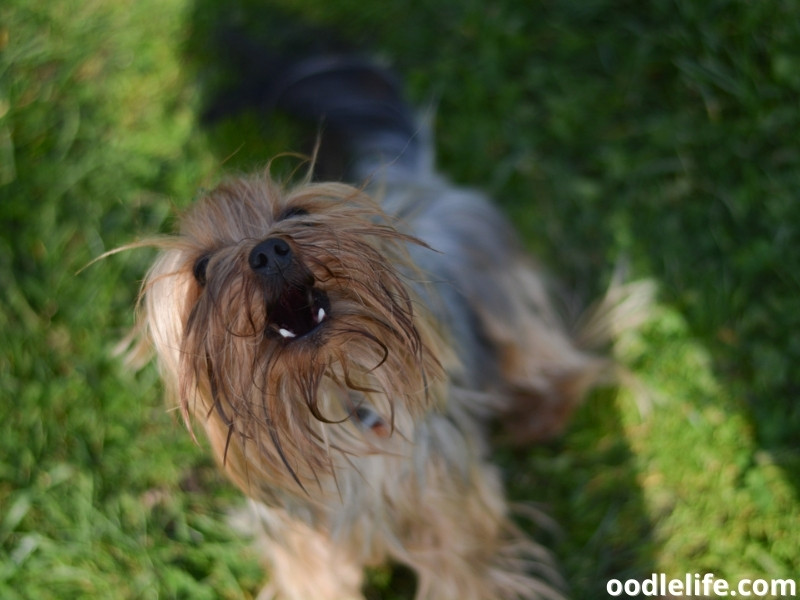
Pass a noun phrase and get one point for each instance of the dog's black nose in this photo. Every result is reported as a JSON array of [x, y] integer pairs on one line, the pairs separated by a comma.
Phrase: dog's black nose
[[270, 257]]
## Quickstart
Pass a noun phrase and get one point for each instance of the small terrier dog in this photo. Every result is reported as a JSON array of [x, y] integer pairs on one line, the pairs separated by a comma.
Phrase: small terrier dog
[[346, 348]]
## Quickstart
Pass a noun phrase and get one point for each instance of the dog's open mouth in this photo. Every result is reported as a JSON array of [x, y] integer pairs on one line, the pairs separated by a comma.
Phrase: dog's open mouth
[[297, 312]]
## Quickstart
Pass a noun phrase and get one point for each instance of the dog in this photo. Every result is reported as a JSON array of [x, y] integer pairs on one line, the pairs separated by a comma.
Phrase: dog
[[348, 346]]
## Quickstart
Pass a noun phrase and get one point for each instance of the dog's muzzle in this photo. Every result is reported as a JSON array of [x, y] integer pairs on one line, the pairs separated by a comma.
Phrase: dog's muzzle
[[295, 307]]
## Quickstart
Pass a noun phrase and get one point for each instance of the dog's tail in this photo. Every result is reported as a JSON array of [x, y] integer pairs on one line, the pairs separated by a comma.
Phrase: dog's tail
[[365, 124]]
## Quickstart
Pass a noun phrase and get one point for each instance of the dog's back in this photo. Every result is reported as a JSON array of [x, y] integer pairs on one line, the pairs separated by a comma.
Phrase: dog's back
[[477, 279]]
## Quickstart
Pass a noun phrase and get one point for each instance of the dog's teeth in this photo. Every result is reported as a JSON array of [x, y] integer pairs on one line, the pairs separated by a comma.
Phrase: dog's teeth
[[321, 315], [286, 333]]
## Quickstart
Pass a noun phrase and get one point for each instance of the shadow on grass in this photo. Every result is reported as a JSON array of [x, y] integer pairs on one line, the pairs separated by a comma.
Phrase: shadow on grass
[[236, 49], [589, 481]]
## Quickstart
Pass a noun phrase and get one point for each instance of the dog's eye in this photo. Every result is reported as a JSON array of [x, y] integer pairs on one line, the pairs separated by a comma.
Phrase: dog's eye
[[293, 211], [199, 269]]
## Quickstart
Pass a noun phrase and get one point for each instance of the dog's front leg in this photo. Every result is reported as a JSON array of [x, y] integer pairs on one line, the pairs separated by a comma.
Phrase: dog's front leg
[[304, 563]]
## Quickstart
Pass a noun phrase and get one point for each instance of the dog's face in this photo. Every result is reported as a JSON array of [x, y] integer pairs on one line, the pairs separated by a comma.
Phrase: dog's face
[[278, 315]]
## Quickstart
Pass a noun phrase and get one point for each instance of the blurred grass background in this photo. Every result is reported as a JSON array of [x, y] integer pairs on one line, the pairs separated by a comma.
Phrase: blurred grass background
[[662, 131]]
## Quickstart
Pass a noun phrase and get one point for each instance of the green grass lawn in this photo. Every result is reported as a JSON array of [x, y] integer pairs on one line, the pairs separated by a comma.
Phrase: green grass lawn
[[663, 132]]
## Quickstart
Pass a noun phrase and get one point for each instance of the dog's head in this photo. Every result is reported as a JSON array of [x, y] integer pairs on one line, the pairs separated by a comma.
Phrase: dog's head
[[277, 314]]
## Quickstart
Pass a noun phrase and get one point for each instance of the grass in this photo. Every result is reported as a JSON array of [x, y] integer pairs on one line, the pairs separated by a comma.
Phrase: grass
[[664, 132]]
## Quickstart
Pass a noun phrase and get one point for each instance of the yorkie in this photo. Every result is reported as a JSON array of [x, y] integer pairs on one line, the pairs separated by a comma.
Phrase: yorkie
[[346, 348]]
